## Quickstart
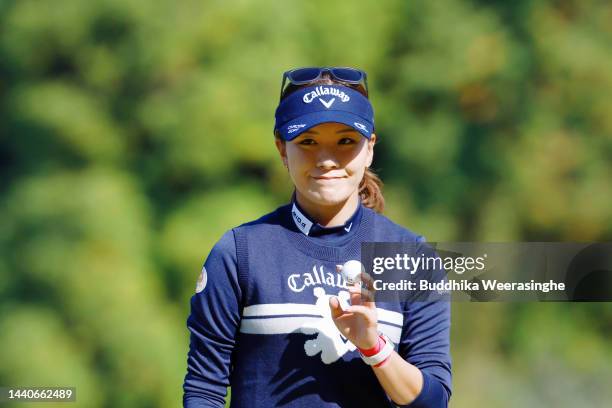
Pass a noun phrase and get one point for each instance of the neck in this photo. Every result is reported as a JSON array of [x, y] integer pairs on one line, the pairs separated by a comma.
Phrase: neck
[[329, 215]]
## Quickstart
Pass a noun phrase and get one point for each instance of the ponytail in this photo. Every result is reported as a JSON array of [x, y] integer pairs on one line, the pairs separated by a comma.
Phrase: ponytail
[[370, 191]]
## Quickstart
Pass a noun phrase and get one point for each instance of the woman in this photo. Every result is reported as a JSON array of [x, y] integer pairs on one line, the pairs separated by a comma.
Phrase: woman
[[271, 317]]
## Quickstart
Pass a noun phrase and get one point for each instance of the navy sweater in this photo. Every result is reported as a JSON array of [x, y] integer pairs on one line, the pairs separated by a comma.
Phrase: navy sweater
[[260, 320]]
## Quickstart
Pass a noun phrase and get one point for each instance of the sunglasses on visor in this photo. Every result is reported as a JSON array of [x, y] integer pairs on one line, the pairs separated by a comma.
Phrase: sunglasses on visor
[[302, 76]]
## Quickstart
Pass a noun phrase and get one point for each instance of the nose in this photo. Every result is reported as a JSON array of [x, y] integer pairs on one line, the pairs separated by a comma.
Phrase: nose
[[327, 160]]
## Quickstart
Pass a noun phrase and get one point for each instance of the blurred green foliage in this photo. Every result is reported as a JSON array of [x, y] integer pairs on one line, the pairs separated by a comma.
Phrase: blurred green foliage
[[134, 133]]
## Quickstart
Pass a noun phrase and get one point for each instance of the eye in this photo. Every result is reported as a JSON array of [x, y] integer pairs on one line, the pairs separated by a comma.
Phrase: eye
[[346, 140], [307, 141]]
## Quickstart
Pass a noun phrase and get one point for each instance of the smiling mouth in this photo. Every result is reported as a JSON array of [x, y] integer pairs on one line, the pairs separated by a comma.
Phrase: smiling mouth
[[328, 178]]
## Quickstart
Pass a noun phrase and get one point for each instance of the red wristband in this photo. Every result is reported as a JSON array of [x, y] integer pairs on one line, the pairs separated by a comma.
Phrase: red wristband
[[382, 362], [374, 350]]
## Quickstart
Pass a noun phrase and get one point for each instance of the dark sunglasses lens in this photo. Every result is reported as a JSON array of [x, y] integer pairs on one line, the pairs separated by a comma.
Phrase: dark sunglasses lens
[[304, 74], [347, 74]]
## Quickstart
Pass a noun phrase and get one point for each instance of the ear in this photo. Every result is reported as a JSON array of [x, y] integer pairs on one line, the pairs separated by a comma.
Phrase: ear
[[371, 144], [282, 149]]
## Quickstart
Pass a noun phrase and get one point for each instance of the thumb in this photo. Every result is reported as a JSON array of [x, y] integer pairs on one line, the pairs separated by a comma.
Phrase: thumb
[[334, 305]]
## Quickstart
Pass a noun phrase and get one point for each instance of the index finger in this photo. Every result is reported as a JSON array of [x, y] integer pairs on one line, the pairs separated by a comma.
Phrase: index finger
[[368, 281]]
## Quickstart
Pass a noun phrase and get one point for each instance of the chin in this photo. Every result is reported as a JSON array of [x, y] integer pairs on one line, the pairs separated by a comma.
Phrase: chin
[[327, 196]]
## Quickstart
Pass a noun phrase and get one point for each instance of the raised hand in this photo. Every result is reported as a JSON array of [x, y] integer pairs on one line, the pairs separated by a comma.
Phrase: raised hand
[[359, 321]]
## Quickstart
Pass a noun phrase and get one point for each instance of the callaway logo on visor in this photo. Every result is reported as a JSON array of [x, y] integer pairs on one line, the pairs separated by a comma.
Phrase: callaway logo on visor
[[295, 128], [323, 93], [360, 126]]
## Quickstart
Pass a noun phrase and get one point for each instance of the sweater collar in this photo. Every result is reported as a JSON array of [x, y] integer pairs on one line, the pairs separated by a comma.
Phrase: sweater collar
[[311, 228]]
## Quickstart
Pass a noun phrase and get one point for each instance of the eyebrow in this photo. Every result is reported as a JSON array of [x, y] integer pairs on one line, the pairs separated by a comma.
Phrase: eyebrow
[[345, 130]]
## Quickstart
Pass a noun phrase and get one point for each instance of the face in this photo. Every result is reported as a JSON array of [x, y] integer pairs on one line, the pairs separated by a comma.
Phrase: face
[[327, 162]]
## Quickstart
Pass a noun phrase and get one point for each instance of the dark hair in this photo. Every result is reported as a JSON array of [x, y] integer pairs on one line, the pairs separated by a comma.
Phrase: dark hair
[[370, 187]]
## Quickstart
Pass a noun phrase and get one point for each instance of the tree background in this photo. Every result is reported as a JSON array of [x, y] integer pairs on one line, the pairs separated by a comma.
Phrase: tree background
[[134, 133]]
